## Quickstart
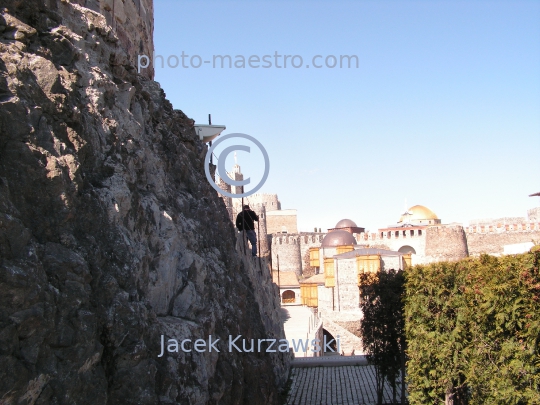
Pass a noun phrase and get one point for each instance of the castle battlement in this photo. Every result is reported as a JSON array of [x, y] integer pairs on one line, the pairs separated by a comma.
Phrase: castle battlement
[[297, 238], [270, 201], [500, 228]]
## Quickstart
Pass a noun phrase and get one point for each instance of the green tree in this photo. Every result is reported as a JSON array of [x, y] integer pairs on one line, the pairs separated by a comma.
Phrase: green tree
[[383, 328], [473, 331]]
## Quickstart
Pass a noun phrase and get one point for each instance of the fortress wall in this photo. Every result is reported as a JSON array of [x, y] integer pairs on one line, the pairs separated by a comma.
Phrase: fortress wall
[[132, 21], [307, 241], [392, 241], [277, 220], [491, 240], [270, 201], [445, 243], [497, 221], [288, 248]]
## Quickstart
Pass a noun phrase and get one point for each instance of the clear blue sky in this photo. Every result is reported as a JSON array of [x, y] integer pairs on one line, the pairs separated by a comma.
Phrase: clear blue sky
[[443, 110]]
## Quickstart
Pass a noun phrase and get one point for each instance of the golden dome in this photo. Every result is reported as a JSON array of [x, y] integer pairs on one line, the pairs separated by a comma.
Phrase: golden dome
[[418, 213]]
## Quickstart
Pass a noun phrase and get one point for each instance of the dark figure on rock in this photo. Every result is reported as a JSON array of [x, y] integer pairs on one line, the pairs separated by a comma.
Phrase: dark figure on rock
[[245, 221]]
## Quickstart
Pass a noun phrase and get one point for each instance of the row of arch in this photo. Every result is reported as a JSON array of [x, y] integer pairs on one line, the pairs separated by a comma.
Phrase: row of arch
[[397, 234], [362, 236]]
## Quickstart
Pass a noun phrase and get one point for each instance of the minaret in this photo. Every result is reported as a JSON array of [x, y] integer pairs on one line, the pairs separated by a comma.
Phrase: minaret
[[237, 175]]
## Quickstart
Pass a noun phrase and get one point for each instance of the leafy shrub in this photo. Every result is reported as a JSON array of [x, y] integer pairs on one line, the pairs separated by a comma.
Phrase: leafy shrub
[[473, 331]]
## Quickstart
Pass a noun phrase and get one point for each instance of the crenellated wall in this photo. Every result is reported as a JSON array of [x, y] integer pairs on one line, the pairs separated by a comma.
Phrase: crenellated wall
[[307, 241], [280, 245], [395, 240], [491, 239], [270, 201], [445, 243], [287, 246]]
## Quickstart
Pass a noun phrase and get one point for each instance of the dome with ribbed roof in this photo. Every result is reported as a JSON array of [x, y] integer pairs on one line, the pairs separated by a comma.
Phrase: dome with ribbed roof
[[346, 223], [338, 238]]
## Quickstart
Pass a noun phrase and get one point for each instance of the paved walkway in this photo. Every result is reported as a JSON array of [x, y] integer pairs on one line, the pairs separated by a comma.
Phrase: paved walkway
[[344, 385], [330, 361], [296, 321]]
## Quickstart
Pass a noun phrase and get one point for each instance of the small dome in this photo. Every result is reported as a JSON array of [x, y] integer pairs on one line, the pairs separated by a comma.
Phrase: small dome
[[346, 223], [338, 238], [418, 212]]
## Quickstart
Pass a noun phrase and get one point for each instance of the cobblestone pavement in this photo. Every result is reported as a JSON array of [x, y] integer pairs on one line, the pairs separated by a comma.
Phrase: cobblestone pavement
[[344, 385]]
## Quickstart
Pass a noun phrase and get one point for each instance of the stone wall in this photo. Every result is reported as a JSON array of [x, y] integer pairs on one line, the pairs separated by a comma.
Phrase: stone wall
[[288, 249], [327, 299], [277, 221], [110, 235], [491, 240], [444, 243], [349, 342], [307, 241], [346, 290], [270, 201], [391, 262]]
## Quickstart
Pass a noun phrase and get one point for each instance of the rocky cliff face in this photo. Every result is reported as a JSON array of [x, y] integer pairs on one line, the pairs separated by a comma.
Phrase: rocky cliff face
[[110, 235]]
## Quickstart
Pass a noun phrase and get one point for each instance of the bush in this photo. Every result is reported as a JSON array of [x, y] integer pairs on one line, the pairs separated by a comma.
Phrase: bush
[[473, 331]]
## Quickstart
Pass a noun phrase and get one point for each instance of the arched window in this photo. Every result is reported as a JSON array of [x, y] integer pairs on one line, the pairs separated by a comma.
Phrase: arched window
[[288, 297], [419, 232], [397, 234], [412, 232], [406, 249], [389, 234]]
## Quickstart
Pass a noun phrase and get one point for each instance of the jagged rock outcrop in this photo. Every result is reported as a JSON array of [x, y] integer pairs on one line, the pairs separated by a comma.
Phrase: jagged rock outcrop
[[110, 235]]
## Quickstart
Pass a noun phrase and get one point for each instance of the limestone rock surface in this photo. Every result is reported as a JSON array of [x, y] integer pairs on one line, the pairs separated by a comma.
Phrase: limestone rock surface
[[110, 235]]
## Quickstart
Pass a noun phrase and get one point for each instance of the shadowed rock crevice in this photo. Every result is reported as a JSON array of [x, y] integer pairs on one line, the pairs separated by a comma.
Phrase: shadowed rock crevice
[[110, 235]]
